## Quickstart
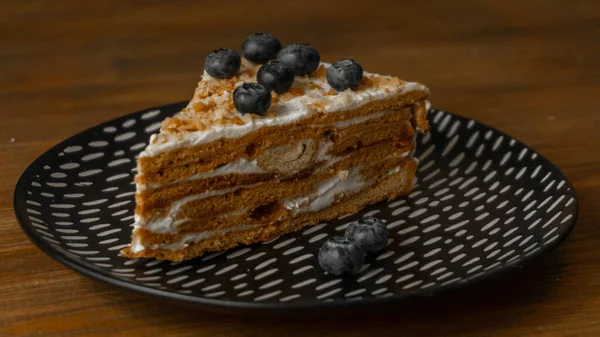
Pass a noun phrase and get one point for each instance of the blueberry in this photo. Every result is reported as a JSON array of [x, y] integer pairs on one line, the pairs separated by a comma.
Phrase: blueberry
[[222, 63], [344, 74], [302, 58], [251, 98], [260, 47], [368, 233], [339, 256], [275, 76]]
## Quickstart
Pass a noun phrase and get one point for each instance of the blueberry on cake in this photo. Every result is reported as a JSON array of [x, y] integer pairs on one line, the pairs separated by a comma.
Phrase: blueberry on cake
[[272, 142]]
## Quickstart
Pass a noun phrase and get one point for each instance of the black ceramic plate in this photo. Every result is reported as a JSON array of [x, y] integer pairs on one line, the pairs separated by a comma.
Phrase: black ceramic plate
[[483, 202]]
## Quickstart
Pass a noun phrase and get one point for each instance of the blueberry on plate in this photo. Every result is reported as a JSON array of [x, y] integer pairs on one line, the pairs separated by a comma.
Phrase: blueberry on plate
[[251, 98], [339, 256], [260, 47], [344, 74], [368, 233], [222, 63], [275, 76], [302, 58]]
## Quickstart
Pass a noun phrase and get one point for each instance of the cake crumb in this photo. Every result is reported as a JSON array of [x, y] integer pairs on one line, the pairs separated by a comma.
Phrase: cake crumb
[[198, 106], [318, 105], [366, 82], [238, 121], [321, 72], [342, 175], [292, 92]]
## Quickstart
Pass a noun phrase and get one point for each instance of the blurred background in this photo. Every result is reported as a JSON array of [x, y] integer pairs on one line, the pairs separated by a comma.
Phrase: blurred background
[[530, 68], [491, 60]]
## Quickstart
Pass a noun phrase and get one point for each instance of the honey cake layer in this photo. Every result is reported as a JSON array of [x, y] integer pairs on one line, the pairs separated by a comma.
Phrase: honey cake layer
[[157, 202], [166, 246]]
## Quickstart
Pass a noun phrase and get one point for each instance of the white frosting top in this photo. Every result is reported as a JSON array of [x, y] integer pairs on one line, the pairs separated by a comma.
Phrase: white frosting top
[[309, 95]]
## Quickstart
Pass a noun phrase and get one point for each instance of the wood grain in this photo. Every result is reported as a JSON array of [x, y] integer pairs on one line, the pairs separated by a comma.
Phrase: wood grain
[[530, 68]]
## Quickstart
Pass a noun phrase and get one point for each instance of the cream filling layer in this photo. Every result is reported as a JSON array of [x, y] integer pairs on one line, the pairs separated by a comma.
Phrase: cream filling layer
[[345, 182], [242, 166], [348, 182], [137, 246], [169, 223]]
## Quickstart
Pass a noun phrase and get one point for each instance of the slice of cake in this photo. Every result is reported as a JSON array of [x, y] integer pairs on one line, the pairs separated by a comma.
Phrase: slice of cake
[[246, 162]]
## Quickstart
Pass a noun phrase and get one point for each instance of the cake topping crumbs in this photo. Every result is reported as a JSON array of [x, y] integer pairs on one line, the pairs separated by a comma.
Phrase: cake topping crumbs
[[213, 103], [198, 106], [237, 121], [202, 95], [366, 81], [295, 91], [384, 81], [201, 126], [158, 139], [274, 97], [320, 73], [318, 105], [312, 85]]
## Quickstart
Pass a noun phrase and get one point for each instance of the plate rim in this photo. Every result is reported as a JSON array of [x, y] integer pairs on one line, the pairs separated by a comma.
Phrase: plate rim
[[209, 303]]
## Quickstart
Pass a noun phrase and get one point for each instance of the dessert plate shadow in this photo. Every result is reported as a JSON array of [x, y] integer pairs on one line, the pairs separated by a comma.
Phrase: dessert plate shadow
[[483, 202]]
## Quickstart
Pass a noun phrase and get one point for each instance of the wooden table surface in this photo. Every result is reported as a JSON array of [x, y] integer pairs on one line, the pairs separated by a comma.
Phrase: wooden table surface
[[529, 68]]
